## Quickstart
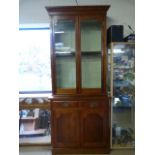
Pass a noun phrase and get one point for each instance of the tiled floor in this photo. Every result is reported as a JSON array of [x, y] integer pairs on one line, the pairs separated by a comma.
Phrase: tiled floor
[[47, 151]]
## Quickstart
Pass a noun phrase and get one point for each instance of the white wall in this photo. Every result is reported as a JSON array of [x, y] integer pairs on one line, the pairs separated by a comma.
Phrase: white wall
[[121, 12]]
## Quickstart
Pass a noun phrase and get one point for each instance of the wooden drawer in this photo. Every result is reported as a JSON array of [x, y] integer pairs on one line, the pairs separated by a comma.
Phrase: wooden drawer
[[92, 104], [64, 104]]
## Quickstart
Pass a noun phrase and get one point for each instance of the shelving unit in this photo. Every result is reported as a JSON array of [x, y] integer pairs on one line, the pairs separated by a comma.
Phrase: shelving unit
[[121, 71], [34, 121], [80, 103]]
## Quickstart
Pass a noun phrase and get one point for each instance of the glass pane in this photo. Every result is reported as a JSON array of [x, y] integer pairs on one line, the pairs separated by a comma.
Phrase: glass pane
[[34, 126], [123, 72], [91, 53], [64, 32], [123, 95]]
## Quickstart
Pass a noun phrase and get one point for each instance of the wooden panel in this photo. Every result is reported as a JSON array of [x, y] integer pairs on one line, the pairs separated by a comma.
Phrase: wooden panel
[[65, 104], [66, 128], [80, 151], [92, 104], [91, 91], [80, 10], [93, 128], [66, 91]]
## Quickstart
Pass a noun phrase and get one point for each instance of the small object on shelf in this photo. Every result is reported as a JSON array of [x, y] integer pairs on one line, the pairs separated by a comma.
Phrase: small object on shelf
[[130, 38], [115, 33], [125, 100], [118, 131], [122, 136], [21, 129], [130, 76], [118, 104], [121, 83], [24, 113]]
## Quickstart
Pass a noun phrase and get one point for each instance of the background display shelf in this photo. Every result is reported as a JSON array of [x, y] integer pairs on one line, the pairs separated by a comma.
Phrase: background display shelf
[[121, 86]]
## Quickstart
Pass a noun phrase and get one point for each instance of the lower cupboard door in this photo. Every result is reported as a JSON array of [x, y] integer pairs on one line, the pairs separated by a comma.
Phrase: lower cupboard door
[[66, 128], [94, 128]]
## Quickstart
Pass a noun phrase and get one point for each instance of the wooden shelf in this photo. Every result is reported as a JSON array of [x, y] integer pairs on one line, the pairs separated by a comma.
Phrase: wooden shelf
[[83, 53]]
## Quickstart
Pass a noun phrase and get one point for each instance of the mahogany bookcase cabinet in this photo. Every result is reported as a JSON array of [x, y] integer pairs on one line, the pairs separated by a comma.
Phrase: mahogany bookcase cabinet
[[80, 104]]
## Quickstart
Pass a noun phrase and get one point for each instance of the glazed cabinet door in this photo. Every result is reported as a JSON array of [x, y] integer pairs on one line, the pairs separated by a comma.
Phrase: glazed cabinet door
[[64, 54], [94, 124], [91, 51], [65, 125], [92, 54]]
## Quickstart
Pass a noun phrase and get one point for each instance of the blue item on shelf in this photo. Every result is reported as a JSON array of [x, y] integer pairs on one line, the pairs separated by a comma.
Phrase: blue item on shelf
[[121, 83], [125, 99]]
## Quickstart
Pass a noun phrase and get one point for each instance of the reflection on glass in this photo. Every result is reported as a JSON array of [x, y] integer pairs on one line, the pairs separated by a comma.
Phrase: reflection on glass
[[91, 53], [64, 34], [109, 76], [34, 126]]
